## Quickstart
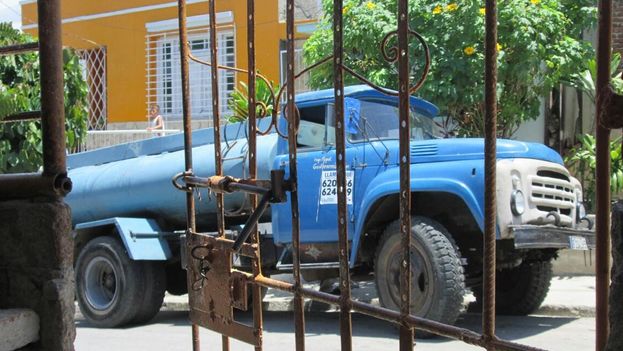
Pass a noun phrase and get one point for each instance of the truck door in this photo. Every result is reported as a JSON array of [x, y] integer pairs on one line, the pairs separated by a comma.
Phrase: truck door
[[317, 181]]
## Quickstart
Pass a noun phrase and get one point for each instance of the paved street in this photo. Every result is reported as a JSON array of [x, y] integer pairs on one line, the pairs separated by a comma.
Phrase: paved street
[[564, 322], [171, 331]]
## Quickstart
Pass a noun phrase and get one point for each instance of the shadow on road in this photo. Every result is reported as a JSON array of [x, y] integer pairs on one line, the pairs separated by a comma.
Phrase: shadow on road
[[327, 323]]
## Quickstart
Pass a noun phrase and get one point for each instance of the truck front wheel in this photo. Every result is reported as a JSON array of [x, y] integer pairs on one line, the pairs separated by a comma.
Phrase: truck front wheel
[[520, 290], [112, 290], [438, 283]]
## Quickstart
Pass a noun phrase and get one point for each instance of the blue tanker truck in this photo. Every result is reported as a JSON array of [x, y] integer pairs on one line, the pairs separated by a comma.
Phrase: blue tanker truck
[[128, 217]]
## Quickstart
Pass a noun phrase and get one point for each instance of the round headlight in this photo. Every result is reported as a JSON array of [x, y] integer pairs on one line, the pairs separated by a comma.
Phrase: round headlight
[[518, 203]]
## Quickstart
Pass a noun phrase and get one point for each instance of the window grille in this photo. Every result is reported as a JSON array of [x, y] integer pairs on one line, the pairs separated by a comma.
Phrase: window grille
[[93, 64], [164, 85]]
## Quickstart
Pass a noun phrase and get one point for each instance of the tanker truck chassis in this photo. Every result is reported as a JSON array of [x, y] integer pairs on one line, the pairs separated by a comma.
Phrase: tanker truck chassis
[[129, 219]]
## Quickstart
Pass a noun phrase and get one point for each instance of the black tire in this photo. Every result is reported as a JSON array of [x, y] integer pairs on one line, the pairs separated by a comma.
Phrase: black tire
[[438, 280], [109, 286], [521, 290], [155, 286]]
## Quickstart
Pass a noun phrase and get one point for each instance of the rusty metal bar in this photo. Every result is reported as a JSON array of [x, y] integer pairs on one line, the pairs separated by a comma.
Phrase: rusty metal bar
[[216, 115], [453, 332], [346, 328], [52, 88], [489, 243], [406, 332], [602, 176], [22, 116], [257, 262], [27, 185], [188, 144], [292, 118], [216, 121], [19, 49]]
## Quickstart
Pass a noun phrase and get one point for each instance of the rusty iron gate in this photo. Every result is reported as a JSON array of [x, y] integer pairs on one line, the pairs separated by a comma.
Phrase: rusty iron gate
[[216, 288]]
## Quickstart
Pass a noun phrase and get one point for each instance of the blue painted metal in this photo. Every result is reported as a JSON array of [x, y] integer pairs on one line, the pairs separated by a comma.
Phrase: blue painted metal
[[154, 146], [362, 92], [139, 248], [141, 186], [134, 179]]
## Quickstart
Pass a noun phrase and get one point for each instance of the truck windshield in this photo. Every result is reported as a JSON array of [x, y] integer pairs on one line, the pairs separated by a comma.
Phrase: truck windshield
[[379, 120]]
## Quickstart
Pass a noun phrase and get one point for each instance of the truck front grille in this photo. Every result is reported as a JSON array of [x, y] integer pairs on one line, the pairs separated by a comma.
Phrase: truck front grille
[[552, 191]]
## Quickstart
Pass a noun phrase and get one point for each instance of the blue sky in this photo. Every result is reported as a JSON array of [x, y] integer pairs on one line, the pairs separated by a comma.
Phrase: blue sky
[[10, 12]]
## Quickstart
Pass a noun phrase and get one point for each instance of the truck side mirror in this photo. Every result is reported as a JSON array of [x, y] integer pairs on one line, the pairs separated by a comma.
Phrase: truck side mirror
[[352, 114]]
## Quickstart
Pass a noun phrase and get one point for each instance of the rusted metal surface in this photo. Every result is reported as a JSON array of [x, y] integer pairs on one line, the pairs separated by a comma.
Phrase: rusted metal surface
[[29, 185], [217, 288], [19, 49], [602, 176], [216, 115], [406, 332], [22, 116], [453, 332], [489, 240], [346, 329], [52, 88], [256, 290], [293, 123], [188, 155]]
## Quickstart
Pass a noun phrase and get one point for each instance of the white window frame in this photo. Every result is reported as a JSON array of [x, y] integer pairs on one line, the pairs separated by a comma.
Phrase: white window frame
[[164, 73]]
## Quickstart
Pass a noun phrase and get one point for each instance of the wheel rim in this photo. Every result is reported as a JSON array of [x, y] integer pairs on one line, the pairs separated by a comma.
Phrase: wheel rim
[[422, 287], [101, 282]]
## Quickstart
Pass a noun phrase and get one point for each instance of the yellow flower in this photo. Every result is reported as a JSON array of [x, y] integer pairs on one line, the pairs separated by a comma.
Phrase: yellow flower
[[482, 11], [437, 10], [451, 7], [345, 9], [498, 46], [370, 5], [535, 2], [469, 51]]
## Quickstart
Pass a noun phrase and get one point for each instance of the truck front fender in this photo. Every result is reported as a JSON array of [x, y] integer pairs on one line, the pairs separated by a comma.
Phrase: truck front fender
[[139, 236], [387, 183]]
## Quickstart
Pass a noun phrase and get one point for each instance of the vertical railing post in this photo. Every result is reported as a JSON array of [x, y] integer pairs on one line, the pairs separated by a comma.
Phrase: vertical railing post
[[340, 162], [406, 333], [257, 268], [292, 118], [602, 176], [52, 88], [188, 143], [216, 121], [488, 308]]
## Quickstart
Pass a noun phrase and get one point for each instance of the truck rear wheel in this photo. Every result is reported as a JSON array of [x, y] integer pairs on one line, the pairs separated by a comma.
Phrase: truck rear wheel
[[113, 290], [438, 283], [520, 290]]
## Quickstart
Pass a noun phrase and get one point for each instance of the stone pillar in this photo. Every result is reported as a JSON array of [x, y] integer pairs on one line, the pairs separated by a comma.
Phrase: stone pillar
[[615, 339], [36, 267]]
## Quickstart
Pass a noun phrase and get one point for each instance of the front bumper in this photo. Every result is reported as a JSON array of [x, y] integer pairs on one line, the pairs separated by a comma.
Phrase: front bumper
[[550, 236]]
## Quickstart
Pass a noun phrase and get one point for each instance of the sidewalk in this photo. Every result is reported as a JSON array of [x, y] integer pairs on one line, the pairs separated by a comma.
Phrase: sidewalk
[[569, 296]]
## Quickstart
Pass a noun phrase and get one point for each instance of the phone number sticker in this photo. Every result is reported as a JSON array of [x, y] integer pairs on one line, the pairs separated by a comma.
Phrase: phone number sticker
[[328, 187]]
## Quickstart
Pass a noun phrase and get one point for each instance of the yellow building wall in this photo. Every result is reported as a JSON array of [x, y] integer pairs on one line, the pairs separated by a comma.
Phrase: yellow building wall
[[125, 39]]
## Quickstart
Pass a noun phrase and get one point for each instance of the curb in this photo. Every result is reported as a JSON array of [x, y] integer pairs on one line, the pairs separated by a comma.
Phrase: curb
[[286, 305]]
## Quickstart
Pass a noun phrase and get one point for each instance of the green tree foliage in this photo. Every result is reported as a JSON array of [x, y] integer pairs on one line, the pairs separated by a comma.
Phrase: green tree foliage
[[20, 143], [537, 47], [239, 101], [582, 160]]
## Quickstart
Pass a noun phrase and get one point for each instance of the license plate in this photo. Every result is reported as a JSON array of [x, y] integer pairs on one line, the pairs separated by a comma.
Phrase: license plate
[[577, 243]]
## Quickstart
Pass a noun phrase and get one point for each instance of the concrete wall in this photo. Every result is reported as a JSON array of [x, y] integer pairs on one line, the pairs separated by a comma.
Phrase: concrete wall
[[36, 267]]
